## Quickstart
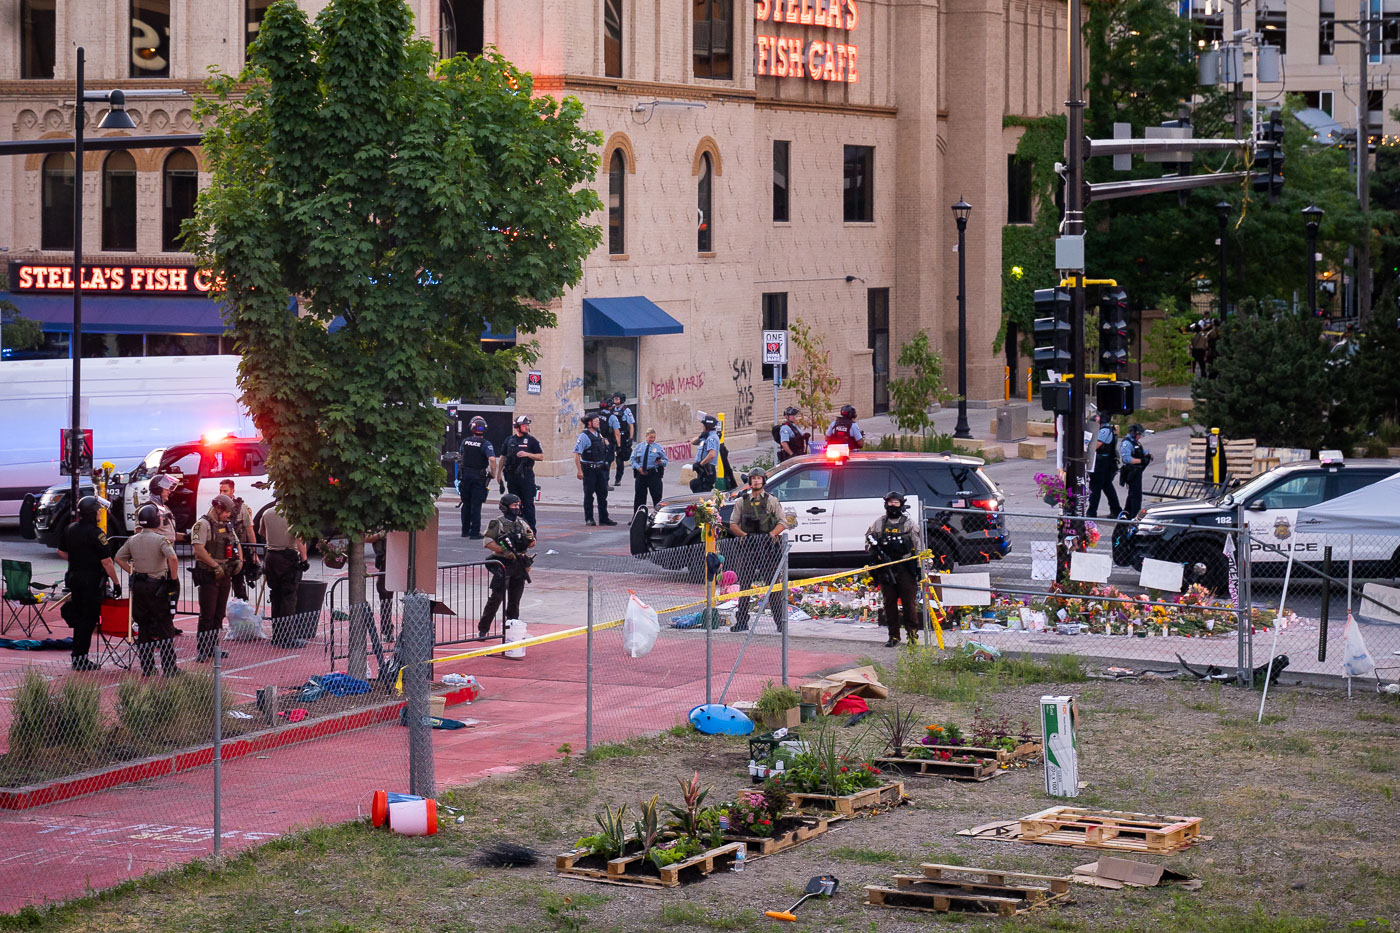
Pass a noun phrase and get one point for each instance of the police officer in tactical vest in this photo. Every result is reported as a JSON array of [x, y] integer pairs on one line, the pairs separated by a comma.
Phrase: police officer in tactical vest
[[155, 583], [478, 467], [217, 558], [1135, 460], [844, 429], [519, 455], [624, 428], [890, 537], [1103, 458], [792, 440], [158, 495], [757, 521], [89, 558], [706, 455], [592, 457], [243, 528], [509, 540]]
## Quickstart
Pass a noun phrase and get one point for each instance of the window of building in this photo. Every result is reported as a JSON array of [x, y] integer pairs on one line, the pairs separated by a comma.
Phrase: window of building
[[877, 307], [1271, 22], [617, 204], [253, 13], [181, 186], [1018, 190], [782, 150], [1388, 33], [714, 35], [98, 346], [36, 38], [1327, 32], [1375, 106], [1209, 20], [612, 38], [460, 28], [1318, 100], [150, 38], [859, 207], [56, 213], [704, 234], [609, 365], [119, 202], [775, 317]]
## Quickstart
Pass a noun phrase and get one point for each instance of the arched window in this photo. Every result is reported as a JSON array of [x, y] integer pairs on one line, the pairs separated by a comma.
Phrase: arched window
[[617, 204], [119, 202], [704, 241], [180, 183], [56, 222]]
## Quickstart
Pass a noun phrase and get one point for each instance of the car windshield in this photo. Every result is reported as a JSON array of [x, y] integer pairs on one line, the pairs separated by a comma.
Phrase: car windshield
[[1249, 490]]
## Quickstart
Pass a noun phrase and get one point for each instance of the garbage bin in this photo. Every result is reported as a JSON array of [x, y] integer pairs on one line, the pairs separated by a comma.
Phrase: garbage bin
[[1011, 423], [311, 598]]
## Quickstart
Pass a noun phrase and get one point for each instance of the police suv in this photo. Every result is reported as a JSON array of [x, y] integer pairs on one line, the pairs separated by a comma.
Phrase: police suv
[[1181, 532], [834, 496]]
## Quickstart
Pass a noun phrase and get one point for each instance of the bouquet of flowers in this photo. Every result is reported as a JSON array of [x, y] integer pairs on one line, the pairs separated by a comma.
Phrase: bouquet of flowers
[[1052, 488]]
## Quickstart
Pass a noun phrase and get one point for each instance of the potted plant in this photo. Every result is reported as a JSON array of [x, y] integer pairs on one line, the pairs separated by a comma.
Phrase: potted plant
[[779, 706], [833, 777], [897, 728]]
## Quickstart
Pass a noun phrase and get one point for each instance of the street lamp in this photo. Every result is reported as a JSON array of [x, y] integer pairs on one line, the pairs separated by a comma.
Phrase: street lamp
[[961, 210], [116, 118], [1312, 217], [1222, 210]]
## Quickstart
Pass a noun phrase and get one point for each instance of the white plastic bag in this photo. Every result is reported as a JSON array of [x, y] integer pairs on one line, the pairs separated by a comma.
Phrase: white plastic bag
[[639, 627], [244, 623], [1356, 660]]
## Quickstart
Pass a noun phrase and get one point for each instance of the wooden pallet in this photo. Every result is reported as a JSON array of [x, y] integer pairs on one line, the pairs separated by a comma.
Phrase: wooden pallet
[[982, 769], [759, 846], [626, 869], [886, 795], [1110, 829], [1023, 752], [942, 888]]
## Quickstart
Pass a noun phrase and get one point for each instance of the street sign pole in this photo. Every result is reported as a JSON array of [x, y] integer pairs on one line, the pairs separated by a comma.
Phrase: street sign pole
[[775, 344]]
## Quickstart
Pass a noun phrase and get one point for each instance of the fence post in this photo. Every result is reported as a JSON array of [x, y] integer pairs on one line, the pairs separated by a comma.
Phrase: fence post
[[1326, 602], [588, 676], [417, 636], [709, 621], [1244, 668], [218, 746], [787, 607]]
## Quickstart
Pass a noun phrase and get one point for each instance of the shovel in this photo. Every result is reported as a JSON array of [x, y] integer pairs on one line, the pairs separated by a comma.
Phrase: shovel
[[824, 885]]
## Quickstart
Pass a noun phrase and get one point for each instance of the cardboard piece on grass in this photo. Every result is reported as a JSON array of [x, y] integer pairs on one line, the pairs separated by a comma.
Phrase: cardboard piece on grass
[[964, 589], [1113, 873], [1087, 567], [858, 681], [1164, 575]]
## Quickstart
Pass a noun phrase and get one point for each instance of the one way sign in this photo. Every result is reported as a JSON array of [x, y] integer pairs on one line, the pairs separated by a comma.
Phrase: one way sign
[[775, 347]]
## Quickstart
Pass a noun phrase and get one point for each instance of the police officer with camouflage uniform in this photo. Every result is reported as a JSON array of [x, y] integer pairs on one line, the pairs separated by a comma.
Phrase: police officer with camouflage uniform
[[509, 539], [890, 537], [217, 559], [243, 527], [89, 558], [155, 574], [478, 466], [758, 517]]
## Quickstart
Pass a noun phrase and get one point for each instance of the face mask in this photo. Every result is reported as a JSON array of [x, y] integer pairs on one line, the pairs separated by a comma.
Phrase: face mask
[[893, 511], [513, 513]]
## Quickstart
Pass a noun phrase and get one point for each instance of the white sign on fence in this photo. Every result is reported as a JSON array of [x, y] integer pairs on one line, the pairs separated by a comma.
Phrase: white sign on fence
[[1042, 560], [965, 589], [1164, 575], [1087, 567]]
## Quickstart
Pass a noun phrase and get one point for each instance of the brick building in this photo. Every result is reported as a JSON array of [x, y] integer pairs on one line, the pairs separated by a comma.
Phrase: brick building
[[764, 161]]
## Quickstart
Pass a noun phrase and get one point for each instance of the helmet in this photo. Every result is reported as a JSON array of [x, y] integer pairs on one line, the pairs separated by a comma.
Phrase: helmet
[[509, 500], [478, 425], [791, 410], [759, 472], [222, 502], [897, 496], [148, 516], [848, 411], [710, 421], [1135, 429], [164, 483], [522, 419], [619, 397], [591, 416], [88, 507]]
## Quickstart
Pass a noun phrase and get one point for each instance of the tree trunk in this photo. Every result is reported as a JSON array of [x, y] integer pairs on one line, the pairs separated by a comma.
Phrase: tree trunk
[[358, 606]]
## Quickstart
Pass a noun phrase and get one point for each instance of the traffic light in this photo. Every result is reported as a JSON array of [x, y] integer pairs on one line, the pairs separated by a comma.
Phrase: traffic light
[[1055, 396], [1269, 152], [1113, 331], [1052, 330], [1117, 397]]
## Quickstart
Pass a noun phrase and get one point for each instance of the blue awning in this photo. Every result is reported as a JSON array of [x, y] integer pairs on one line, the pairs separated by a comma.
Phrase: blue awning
[[627, 317], [111, 314]]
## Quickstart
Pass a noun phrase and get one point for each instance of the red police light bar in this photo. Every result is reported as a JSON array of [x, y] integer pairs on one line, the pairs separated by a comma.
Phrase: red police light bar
[[838, 452]]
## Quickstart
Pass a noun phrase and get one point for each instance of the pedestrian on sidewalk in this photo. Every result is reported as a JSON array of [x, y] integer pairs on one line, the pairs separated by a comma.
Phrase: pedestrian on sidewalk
[[592, 458], [1103, 457], [648, 468]]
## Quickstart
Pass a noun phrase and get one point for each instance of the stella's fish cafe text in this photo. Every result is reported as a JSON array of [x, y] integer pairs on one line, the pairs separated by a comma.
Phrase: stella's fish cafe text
[[794, 57]]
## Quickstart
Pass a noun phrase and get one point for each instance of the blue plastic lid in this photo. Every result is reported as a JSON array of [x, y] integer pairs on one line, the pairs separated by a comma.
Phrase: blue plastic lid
[[715, 719]]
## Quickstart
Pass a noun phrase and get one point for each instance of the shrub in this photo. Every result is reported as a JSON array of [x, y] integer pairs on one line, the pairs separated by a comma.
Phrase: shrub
[[32, 709], [777, 699], [77, 715]]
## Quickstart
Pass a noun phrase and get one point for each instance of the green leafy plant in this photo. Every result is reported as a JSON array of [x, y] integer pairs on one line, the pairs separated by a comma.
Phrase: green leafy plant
[[897, 727], [31, 713], [832, 766], [776, 699], [610, 842], [913, 395], [676, 850], [811, 375], [687, 815], [646, 827]]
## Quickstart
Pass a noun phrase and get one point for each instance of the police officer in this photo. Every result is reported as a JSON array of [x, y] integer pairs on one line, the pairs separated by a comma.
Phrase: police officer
[[624, 427], [286, 560], [844, 429], [217, 559], [158, 495], [478, 467], [648, 468], [243, 528], [155, 582], [592, 457], [890, 537], [757, 520], [706, 455], [1103, 457], [792, 442], [509, 540], [89, 558], [519, 455], [1135, 459]]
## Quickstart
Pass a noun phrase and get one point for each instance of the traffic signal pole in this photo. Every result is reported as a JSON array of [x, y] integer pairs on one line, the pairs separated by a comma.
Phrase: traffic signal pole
[[1072, 442]]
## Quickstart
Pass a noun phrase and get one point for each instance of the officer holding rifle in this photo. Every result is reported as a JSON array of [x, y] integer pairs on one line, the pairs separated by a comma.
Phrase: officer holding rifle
[[509, 540]]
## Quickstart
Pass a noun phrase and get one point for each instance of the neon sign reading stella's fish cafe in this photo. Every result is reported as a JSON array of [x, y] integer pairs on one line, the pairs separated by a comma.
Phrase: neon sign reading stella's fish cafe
[[793, 57]]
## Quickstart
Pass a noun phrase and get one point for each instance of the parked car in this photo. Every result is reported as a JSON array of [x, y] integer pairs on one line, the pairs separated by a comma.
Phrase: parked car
[[834, 499]]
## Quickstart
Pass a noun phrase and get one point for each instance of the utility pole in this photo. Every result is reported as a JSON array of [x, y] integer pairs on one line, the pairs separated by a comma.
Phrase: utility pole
[[1073, 441], [1362, 271], [1237, 67]]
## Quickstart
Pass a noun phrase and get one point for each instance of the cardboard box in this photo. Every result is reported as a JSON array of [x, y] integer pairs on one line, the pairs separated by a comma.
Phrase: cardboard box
[[787, 719], [1058, 719], [1114, 873], [437, 706], [858, 681]]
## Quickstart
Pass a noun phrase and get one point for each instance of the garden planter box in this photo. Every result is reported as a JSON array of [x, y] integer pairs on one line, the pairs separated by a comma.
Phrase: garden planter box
[[792, 831], [1026, 751], [980, 769], [787, 719], [632, 868], [886, 795]]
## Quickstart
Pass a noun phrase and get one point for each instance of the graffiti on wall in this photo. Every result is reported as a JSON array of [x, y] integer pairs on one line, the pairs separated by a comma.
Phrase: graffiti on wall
[[742, 416], [677, 384], [569, 397]]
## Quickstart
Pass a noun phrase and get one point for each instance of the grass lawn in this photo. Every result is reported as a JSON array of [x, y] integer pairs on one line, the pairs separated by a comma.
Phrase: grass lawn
[[1302, 809]]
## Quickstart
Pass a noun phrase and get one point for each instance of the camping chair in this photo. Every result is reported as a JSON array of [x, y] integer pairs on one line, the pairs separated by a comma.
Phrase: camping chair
[[24, 599], [115, 634]]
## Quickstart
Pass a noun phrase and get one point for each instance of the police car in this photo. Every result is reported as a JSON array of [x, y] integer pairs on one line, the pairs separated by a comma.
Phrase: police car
[[1183, 531], [834, 496]]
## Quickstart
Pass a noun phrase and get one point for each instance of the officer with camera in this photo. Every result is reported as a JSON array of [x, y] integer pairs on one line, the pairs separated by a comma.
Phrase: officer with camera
[[89, 558], [509, 540], [891, 537], [1135, 460], [155, 583]]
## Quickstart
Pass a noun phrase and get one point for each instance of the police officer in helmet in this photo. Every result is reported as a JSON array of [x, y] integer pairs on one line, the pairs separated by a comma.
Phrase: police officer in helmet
[[218, 558], [706, 455], [890, 537], [757, 521], [155, 584], [624, 432], [792, 441], [89, 558], [592, 457], [519, 455], [844, 429], [509, 540], [478, 466]]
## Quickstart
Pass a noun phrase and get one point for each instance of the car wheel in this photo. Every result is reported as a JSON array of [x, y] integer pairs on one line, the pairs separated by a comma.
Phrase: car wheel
[[26, 517], [1214, 574], [944, 555]]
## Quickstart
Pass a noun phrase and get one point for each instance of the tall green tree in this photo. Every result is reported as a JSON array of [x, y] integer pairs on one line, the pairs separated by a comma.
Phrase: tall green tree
[[407, 204], [912, 395]]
